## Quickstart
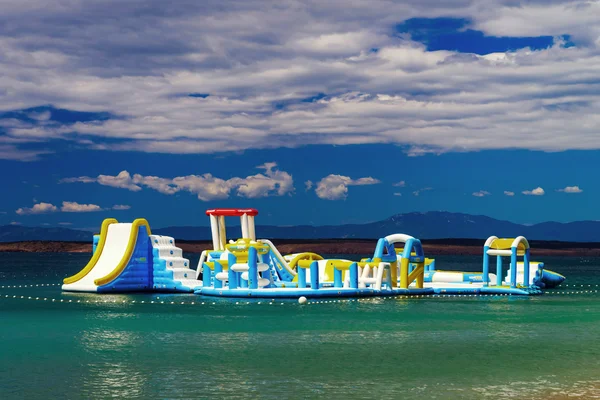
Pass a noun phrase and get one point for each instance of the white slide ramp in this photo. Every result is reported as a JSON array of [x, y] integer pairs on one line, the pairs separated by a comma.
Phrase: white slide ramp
[[115, 246]]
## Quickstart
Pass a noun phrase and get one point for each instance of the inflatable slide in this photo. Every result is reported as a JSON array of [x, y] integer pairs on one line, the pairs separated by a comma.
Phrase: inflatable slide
[[128, 258]]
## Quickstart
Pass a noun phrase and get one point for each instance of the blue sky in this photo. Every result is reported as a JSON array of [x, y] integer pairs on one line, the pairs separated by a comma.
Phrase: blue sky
[[311, 115]]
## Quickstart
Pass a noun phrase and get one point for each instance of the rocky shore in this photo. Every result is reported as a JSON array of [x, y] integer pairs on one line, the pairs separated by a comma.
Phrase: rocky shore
[[342, 246]]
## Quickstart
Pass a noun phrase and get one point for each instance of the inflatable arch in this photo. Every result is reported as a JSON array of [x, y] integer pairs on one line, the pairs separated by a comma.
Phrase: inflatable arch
[[512, 248], [411, 254]]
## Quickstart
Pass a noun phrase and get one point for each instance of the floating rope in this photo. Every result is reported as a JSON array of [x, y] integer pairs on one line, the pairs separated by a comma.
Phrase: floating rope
[[158, 301], [579, 285], [29, 286]]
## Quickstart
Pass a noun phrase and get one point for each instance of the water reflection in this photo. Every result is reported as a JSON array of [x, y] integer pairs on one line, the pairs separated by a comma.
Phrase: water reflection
[[119, 380], [114, 371], [103, 339]]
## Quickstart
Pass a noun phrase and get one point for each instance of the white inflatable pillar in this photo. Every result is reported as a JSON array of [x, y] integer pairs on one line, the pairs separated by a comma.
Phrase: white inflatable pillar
[[214, 229], [251, 229], [244, 223], [222, 233]]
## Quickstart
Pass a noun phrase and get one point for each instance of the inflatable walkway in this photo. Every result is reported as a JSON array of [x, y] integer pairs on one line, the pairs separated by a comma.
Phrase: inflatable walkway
[[128, 258]]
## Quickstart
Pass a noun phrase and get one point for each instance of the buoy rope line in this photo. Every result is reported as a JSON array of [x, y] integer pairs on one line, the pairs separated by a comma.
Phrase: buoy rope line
[[579, 285], [29, 286], [373, 299]]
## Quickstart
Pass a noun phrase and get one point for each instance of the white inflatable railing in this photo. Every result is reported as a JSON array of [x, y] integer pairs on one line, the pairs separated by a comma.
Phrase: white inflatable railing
[[369, 275], [244, 268], [201, 263]]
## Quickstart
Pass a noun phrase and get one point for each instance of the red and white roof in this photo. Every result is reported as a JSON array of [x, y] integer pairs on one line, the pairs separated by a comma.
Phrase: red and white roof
[[231, 212]]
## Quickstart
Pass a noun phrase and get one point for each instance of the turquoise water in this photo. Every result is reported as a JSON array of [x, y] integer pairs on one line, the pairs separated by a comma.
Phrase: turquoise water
[[443, 348]]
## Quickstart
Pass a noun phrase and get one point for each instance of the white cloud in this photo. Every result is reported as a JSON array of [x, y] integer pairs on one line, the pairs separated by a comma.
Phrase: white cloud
[[81, 179], [40, 116], [123, 180], [579, 18], [273, 182], [67, 206], [65, 223], [308, 185], [162, 185], [535, 192], [120, 207], [206, 187], [509, 193], [15, 223], [335, 187], [40, 208], [397, 194], [400, 184], [481, 193], [365, 181], [418, 192], [571, 189], [340, 44], [138, 62], [12, 152], [71, 206]]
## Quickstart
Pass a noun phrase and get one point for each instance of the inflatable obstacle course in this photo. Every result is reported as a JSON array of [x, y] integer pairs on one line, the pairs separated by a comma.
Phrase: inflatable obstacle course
[[128, 258], [392, 271]]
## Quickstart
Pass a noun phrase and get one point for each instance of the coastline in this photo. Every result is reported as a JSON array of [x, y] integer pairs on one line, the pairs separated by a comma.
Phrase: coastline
[[432, 247]]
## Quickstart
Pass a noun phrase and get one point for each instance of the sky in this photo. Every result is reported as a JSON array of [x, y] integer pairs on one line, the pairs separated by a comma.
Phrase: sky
[[312, 112]]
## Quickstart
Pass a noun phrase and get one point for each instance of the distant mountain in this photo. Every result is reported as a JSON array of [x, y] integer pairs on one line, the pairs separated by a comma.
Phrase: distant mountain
[[426, 225], [18, 233]]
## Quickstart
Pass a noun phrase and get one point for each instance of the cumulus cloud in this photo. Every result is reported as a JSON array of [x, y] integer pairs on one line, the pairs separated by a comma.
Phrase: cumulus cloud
[[335, 187], [308, 185], [206, 187], [161, 185], [481, 193], [67, 206], [509, 193], [71, 206], [123, 180], [571, 189], [535, 192], [136, 63], [40, 208], [400, 184], [273, 182]]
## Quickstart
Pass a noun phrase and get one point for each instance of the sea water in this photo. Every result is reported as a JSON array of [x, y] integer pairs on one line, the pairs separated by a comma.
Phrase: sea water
[[68, 345]]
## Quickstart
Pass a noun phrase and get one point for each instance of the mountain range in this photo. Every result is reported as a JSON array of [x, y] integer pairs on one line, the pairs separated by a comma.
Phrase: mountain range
[[423, 225]]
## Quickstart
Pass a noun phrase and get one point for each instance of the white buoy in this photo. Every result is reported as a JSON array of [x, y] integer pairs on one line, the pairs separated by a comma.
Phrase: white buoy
[[302, 300]]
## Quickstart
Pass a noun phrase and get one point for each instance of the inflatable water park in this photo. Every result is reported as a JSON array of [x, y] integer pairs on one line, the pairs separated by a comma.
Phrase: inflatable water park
[[127, 257]]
